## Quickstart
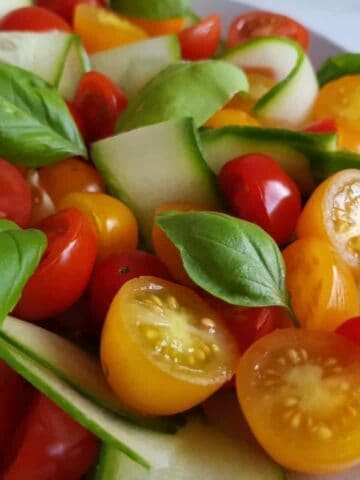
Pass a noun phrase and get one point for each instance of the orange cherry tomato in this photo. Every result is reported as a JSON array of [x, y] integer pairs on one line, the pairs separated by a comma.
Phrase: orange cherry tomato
[[156, 28], [165, 249], [299, 391], [70, 176], [322, 288], [101, 29], [202, 40], [163, 349], [231, 116], [115, 224]]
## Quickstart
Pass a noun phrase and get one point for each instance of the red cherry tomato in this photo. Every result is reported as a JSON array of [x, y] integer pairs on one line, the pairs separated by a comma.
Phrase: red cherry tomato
[[329, 125], [76, 116], [65, 269], [99, 103], [49, 445], [260, 24], [201, 40], [66, 8], [113, 272], [33, 19], [350, 329], [258, 190], [15, 197]]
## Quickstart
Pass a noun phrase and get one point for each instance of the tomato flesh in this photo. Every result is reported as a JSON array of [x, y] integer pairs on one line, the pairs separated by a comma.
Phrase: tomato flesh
[[33, 19], [202, 40]]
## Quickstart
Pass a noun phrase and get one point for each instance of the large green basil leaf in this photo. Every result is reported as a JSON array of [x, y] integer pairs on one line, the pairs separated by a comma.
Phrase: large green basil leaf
[[157, 9]]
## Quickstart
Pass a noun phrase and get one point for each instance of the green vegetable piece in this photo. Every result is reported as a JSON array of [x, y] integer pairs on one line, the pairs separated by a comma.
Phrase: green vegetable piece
[[232, 259], [155, 9], [324, 163], [339, 66], [196, 89], [36, 127], [20, 254]]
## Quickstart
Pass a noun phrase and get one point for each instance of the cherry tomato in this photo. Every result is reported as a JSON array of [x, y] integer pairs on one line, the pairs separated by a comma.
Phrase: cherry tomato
[[299, 391], [66, 8], [15, 197], [80, 177], [156, 28], [258, 190], [41, 204], [322, 288], [328, 125], [99, 103], [260, 24], [163, 349], [76, 116], [50, 445], [111, 274], [201, 40], [33, 19], [231, 116], [332, 213], [65, 269], [115, 224], [350, 329]]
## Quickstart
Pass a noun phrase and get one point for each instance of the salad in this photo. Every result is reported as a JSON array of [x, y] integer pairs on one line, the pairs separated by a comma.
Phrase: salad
[[179, 246]]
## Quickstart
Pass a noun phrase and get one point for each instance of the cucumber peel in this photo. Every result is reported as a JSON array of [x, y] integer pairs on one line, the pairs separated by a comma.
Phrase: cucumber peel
[[153, 9], [339, 66]]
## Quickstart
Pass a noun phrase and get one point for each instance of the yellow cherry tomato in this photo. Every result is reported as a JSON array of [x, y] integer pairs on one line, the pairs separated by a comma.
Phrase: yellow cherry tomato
[[322, 288], [163, 349], [156, 28], [333, 213], [115, 224], [231, 116]]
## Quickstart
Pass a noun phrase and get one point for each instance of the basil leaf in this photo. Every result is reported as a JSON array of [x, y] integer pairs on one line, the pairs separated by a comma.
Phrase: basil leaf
[[36, 127], [156, 9], [20, 254], [339, 66], [232, 259]]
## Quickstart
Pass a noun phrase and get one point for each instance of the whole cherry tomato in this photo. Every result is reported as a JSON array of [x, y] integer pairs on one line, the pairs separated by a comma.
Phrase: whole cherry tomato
[[259, 191], [33, 19], [15, 197], [76, 116], [260, 24], [66, 8], [49, 445], [350, 329], [65, 269], [201, 40], [111, 274], [41, 204], [99, 103]]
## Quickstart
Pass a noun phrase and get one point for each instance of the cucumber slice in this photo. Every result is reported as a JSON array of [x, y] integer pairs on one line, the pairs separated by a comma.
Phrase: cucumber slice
[[339, 66], [291, 100], [156, 9], [154, 165], [76, 367], [7, 6], [77, 63], [291, 149], [133, 66], [324, 163]]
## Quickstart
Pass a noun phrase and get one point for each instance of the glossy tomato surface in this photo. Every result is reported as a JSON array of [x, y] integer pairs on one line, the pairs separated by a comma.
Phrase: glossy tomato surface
[[201, 40], [33, 19], [350, 329], [65, 269], [66, 8]]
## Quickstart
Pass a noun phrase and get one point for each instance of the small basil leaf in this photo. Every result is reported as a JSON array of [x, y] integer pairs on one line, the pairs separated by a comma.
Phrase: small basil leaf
[[156, 9], [339, 66], [232, 259], [20, 254], [36, 127]]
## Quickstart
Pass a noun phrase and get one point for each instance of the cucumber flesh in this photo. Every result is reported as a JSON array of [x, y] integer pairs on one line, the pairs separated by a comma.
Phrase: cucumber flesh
[[77, 63], [154, 165], [133, 66], [7, 6], [291, 100]]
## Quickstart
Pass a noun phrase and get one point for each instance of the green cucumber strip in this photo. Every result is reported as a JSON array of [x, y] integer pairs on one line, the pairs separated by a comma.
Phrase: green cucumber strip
[[339, 66], [288, 147], [291, 100], [76, 64], [186, 89], [324, 163], [133, 66], [76, 367], [148, 448], [7, 6], [155, 9], [153, 165]]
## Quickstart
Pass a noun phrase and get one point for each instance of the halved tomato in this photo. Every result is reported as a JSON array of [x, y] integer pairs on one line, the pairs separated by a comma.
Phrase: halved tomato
[[300, 393], [163, 349]]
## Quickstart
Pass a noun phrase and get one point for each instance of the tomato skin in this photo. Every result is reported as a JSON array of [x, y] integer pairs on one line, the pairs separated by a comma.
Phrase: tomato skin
[[259, 191], [15, 197], [328, 125], [259, 24], [112, 273], [33, 19], [350, 330], [201, 40], [41, 204], [66, 8], [65, 269], [99, 103], [76, 117], [231, 116], [50, 445]]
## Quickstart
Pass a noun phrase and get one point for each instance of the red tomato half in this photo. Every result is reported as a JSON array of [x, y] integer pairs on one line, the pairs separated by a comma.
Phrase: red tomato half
[[49, 445], [15, 197], [99, 103], [201, 40], [259, 191], [65, 269], [33, 19], [111, 274], [329, 125], [66, 8], [263, 24]]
